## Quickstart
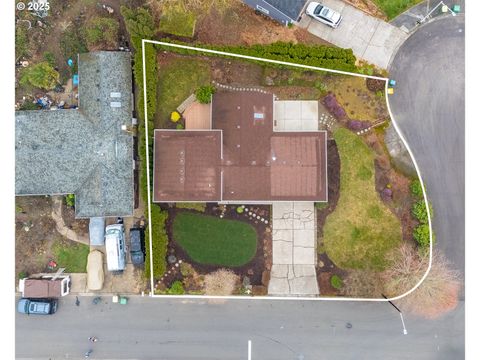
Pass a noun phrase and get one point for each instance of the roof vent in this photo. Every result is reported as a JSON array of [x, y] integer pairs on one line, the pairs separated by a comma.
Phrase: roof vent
[[115, 104], [115, 94]]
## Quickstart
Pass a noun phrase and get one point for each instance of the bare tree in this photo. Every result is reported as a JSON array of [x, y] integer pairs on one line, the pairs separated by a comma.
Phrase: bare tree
[[437, 294]]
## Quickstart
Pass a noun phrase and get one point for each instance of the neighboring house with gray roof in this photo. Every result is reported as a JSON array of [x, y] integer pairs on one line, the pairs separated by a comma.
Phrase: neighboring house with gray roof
[[284, 11], [83, 151]]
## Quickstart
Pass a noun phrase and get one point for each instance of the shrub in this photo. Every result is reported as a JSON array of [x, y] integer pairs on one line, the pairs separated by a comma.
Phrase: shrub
[[139, 24], [22, 41], [419, 211], [22, 275], [240, 209], [220, 282], [176, 289], [336, 282], [180, 127], [186, 269], [29, 105], [334, 107], [175, 116], [313, 55], [357, 125], [320, 86], [41, 75], [159, 242], [101, 30], [416, 188], [70, 200], [49, 57], [204, 94], [421, 234]]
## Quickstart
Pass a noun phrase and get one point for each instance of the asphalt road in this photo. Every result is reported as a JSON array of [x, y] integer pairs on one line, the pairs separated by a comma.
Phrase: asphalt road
[[171, 329], [429, 107]]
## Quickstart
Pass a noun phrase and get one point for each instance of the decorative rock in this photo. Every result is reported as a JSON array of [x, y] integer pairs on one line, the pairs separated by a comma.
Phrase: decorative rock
[[171, 259]]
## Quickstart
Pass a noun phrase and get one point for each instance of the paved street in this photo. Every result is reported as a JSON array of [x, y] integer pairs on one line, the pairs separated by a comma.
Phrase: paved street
[[429, 107], [370, 39], [295, 330]]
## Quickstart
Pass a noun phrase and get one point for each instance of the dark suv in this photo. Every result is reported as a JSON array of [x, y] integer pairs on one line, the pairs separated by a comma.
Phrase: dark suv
[[137, 246], [37, 306]]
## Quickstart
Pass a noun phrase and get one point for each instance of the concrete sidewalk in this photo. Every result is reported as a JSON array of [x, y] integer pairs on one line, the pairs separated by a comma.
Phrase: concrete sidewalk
[[371, 39]]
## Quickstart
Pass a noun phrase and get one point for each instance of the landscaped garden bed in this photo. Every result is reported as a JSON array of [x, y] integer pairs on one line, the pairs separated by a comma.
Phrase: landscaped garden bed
[[220, 241]]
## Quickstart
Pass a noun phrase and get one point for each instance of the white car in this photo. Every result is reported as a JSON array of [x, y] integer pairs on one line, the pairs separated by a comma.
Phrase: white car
[[324, 14]]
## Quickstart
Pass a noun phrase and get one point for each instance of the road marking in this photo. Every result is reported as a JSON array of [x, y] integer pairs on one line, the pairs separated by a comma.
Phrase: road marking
[[249, 349]]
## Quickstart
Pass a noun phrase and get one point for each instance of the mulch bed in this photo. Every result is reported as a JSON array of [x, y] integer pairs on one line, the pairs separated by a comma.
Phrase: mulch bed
[[254, 270], [333, 169]]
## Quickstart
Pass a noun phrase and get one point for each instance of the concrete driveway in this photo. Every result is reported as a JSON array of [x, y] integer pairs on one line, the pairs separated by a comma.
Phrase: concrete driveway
[[370, 38]]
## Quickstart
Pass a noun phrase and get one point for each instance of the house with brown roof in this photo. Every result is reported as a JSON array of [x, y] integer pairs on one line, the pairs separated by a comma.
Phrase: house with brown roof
[[240, 159]]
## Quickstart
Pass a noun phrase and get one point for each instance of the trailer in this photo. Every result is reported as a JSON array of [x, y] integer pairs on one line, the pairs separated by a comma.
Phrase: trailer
[[44, 286]]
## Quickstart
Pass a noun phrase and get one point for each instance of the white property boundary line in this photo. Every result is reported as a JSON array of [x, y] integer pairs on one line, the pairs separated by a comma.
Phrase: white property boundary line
[[275, 297]]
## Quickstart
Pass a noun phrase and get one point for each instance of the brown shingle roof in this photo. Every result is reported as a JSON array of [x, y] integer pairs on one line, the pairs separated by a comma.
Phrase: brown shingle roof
[[186, 166], [258, 164]]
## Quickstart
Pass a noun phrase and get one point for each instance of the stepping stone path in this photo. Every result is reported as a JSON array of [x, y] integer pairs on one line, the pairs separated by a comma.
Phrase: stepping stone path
[[326, 121], [238, 88]]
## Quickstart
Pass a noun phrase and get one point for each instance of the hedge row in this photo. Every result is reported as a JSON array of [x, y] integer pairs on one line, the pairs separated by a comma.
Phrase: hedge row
[[140, 26], [421, 233], [313, 55]]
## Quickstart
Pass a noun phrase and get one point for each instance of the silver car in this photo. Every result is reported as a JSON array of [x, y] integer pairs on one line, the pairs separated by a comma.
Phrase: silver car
[[324, 14]]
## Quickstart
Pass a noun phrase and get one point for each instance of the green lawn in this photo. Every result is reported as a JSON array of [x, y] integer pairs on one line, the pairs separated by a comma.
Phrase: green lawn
[[395, 7], [214, 241], [178, 80], [361, 230], [178, 22], [71, 256]]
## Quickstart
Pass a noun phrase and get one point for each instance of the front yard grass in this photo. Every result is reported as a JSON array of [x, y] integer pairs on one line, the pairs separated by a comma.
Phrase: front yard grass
[[213, 241], [177, 80], [392, 8], [71, 256], [361, 230]]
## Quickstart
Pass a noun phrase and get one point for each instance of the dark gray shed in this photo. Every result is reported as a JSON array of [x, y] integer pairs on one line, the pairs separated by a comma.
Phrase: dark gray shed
[[284, 11]]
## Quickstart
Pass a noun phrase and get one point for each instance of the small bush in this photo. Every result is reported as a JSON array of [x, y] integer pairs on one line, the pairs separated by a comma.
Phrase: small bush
[[240, 209], [416, 188], [186, 269], [180, 127], [419, 211], [336, 282], [321, 86], [334, 107], [421, 234], [70, 200], [176, 289], [175, 116], [22, 275], [41, 75], [101, 30], [204, 94], [220, 282], [49, 57]]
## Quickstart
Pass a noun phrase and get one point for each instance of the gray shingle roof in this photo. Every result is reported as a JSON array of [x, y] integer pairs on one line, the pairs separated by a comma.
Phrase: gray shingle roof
[[82, 151]]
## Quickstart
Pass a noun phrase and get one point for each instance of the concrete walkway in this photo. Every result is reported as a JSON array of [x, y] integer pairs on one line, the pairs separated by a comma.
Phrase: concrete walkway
[[294, 255], [60, 224], [370, 38]]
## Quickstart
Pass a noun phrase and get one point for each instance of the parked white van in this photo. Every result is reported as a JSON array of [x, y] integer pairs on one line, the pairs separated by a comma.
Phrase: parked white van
[[115, 247]]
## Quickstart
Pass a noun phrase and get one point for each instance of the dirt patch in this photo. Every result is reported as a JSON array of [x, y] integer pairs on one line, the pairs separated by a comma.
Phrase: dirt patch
[[239, 25], [35, 233], [77, 225], [369, 7], [254, 270]]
